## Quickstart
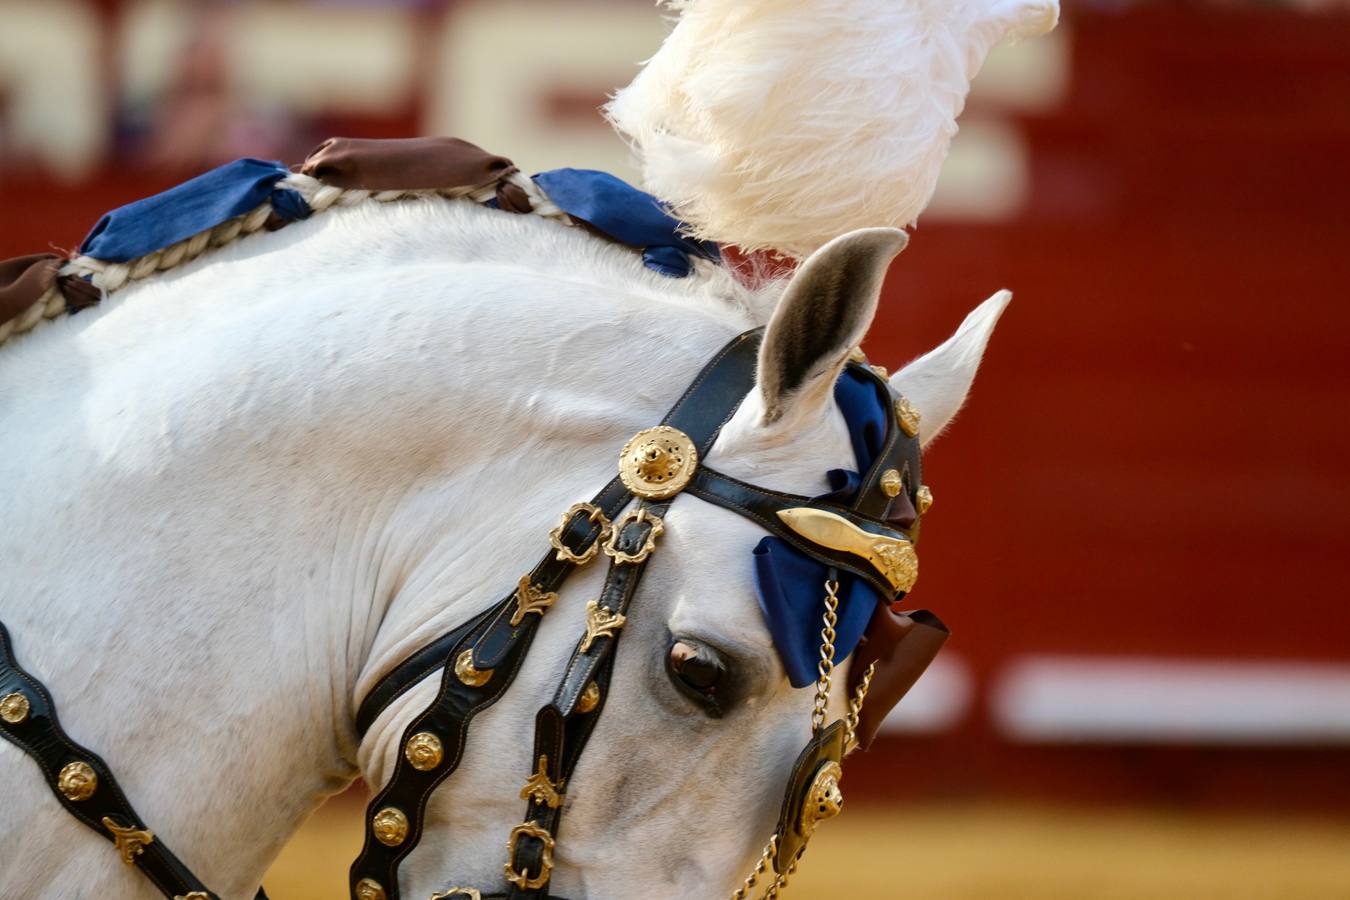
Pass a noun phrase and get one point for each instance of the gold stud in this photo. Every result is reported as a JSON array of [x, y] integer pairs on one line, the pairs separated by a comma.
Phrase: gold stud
[[857, 355], [590, 698], [541, 788], [890, 482], [880, 372], [923, 499], [907, 415], [601, 621], [14, 708], [129, 840], [530, 598], [390, 826], [658, 462], [424, 751], [467, 673], [77, 781], [195, 895], [370, 889]]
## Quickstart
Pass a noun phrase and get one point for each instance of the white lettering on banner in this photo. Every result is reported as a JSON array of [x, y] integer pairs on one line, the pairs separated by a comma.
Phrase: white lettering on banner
[[53, 108], [306, 59], [499, 63]]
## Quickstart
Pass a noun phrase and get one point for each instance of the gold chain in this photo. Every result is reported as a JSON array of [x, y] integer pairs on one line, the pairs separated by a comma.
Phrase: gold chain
[[855, 706], [769, 850], [825, 672], [826, 666]]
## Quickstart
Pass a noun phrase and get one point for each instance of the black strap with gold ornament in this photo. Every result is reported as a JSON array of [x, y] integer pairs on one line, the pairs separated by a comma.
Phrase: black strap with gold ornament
[[481, 658], [83, 783]]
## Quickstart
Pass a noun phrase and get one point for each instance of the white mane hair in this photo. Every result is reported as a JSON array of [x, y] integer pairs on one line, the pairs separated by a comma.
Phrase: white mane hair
[[778, 125]]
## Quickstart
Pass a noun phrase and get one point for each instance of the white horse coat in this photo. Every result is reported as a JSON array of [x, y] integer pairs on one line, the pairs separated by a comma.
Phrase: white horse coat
[[235, 495]]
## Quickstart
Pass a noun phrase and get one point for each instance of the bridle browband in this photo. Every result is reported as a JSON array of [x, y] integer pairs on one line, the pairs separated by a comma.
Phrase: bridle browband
[[481, 658]]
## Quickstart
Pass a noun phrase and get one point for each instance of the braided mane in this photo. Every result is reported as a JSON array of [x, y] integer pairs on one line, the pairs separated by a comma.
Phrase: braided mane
[[109, 277]]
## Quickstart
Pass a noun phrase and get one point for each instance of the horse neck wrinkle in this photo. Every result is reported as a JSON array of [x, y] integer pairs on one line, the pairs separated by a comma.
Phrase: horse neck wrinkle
[[240, 493]]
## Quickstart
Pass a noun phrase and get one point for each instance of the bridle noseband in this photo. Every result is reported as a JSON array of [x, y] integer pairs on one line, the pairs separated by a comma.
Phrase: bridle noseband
[[481, 658]]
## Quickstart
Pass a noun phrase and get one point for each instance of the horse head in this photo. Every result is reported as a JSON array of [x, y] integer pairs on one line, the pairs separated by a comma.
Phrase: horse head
[[684, 773]]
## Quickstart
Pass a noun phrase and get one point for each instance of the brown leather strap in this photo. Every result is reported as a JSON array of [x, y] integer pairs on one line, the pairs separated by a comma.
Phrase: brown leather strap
[[902, 646]]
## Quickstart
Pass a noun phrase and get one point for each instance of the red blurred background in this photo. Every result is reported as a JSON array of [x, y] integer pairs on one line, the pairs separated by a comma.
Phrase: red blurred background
[[1136, 537]]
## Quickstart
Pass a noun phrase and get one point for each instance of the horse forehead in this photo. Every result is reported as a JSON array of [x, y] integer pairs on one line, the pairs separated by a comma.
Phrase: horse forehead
[[793, 461]]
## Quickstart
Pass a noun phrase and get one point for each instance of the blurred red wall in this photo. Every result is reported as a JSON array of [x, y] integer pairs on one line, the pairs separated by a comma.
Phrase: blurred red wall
[[1152, 464]]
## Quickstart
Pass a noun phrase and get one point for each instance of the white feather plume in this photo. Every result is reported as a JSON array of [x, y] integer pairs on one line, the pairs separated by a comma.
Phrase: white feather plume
[[779, 124]]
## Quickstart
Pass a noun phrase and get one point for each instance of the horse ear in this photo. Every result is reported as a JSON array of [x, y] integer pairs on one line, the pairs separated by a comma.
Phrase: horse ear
[[937, 382], [824, 313]]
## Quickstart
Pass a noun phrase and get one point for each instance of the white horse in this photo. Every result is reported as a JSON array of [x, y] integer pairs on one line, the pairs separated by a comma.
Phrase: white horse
[[237, 494]]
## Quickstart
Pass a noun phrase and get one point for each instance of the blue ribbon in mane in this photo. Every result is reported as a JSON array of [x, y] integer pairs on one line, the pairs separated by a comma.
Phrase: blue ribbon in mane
[[791, 584], [194, 206], [627, 215], [609, 205]]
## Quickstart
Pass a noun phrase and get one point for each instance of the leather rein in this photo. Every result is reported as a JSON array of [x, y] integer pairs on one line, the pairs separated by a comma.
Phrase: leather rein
[[481, 658]]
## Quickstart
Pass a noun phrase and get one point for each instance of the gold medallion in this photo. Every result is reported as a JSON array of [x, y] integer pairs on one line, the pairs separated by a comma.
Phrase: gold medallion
[[370, 889], [390, 826], [424, 751], [77, 781], [658, 462], [14, 708], [467, 674], [891, 483], [923, 499]]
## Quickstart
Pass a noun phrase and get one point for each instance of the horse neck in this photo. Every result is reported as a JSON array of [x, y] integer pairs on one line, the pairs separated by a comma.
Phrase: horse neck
[[244, 491]]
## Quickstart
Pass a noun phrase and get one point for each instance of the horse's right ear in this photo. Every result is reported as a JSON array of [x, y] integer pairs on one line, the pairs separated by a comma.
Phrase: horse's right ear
[[825, 311]]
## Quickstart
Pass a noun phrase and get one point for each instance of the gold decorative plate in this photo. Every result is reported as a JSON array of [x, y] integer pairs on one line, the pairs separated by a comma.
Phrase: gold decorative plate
[[658, 462]]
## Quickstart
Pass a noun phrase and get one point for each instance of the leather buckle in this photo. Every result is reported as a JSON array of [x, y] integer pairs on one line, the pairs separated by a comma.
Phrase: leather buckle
[[593, 514], [638, 516], [523, 879]]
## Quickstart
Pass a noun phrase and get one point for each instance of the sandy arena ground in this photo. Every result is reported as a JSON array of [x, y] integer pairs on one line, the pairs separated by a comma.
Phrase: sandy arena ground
[[984, 852]]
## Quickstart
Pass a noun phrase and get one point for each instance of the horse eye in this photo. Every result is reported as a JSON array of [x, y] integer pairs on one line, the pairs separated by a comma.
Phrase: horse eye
[[698, 673]]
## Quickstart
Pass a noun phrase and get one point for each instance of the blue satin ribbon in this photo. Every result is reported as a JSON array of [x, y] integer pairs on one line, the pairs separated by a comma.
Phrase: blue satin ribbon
[[791, 584], [609, 205], [628, 216], [194, 206]]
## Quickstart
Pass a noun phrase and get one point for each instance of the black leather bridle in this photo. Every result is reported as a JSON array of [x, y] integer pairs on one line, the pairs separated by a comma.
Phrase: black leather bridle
[[481, 658]]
